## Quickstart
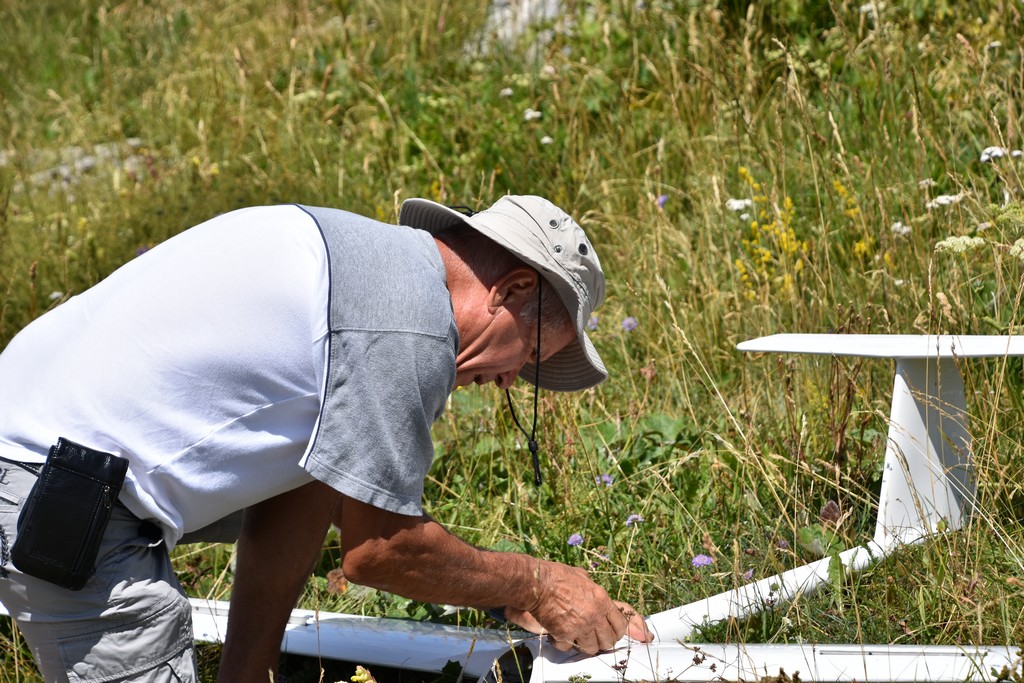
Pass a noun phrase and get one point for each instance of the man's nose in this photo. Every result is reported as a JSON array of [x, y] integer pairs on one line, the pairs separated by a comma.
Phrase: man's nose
[[506, 379]]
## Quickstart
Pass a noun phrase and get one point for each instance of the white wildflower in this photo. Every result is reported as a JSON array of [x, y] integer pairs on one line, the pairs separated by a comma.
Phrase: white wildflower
[[983, 226], [56, 295], [945, 200], [990, 153], [745, 217], [739, 204], [899, 229], [531, 114], [959, 244], [547, 140], [548, 72], [505, 92], [994, 45], [1016, 154], [926, 183], [1017, 249], [898, 282]]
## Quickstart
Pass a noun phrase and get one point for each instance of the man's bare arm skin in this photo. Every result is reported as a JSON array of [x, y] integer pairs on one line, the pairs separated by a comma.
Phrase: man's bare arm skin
[[281, 539], [417, 558]]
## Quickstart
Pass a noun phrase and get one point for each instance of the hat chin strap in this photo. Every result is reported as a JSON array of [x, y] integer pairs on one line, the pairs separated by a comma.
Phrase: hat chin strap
[[531, 437]]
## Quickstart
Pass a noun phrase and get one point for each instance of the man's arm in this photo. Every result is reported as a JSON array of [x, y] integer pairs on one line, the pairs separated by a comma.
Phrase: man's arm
[[280, 540], [417, 558]]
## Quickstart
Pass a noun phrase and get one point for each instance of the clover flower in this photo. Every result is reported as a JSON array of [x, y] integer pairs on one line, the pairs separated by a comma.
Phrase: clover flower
[[739, 204], [531, 114], [990, 153], [605, 479], [899, 229], [702, 560], [575, 539], [959, 244], [547, 140], [945, 200], [633, 519], [629, 323], [1017, 250]]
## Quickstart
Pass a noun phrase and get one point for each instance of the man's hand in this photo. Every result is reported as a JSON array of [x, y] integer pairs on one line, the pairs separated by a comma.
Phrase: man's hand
[[577, 613], [636, 628]]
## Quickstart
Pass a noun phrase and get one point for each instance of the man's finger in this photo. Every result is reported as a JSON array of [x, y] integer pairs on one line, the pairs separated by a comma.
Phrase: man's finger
[[561, 645], [637, 629], [588, 644], [617, 620]]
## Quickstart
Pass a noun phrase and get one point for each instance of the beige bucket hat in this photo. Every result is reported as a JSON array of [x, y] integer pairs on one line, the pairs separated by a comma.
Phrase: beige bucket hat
[[547, 238]]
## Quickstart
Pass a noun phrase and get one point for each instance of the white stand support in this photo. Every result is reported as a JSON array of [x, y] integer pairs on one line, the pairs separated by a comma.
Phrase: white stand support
[[927, 482]]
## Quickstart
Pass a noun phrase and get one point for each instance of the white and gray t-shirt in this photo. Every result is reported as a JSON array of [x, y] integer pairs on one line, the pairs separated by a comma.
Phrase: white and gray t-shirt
[[236, 361]]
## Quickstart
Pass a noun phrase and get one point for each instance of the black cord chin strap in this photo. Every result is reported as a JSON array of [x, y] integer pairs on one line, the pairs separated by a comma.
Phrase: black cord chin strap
[[531, 437]]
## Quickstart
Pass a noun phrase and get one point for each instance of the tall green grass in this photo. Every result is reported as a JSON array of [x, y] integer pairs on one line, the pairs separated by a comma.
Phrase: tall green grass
[[834, 121]]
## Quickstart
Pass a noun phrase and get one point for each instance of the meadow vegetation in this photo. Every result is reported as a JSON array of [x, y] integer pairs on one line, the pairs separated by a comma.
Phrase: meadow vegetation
[[743, 168]]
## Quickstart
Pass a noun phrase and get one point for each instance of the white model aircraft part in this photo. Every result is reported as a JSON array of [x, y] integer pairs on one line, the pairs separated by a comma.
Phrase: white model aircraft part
[[499, 656], [679, 623], [927, 481], [396, 643], [522, 658], [674, 662]]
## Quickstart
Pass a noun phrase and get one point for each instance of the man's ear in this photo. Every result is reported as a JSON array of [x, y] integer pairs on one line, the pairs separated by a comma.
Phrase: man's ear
[[514, 289]]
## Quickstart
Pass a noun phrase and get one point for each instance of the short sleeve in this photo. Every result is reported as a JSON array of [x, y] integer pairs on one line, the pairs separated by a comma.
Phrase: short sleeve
[[374, 441]]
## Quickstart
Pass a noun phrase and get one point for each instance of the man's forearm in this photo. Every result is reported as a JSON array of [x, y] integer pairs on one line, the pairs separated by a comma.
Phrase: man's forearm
[[280, 540], [430, 565]]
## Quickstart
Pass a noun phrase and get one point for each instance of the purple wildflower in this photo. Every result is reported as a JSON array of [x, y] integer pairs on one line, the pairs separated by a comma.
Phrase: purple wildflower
[[662, 200], [702, 560], [629, 323], [748, 575], [633, 519], [592, 323], [575, 539], [605, 479]]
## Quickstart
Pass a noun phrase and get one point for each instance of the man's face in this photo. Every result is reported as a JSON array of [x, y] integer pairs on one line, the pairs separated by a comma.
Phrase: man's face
[[496, 350]]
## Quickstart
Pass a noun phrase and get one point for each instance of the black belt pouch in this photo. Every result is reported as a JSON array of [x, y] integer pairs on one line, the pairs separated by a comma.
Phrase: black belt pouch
[[66, 513]]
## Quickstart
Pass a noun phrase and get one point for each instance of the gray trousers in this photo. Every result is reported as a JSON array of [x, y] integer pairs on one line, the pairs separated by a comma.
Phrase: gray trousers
[[131, 621]]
